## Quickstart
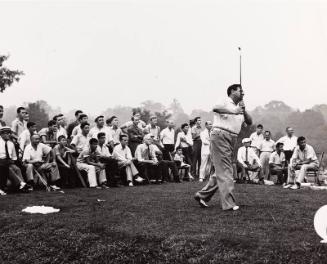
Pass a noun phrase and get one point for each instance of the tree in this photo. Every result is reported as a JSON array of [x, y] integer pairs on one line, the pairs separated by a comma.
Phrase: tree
[[154, 107], [38, 115], [7, 76], [162, 118]]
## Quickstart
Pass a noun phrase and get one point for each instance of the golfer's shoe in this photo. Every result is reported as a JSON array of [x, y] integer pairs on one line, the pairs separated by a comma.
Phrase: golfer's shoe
[[201, 202], [139, 179], [200, 180], [54, 187], [130, 184], [2, 192], [235, 208], [287, 186]]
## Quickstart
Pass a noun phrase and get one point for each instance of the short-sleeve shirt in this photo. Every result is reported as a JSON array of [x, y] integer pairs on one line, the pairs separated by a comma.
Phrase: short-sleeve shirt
[[196, 132], [80, 141], [18, 127], [267, 146], [31, 154], [307, 153], [290, 143], [104, 151], [232, 123], [277, 159], [168, 136], [256, 139]]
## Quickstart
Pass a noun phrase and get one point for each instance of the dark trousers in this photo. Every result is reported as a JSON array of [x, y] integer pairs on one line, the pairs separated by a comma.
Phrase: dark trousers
[[163, 170], [68, 177], [196, 157], [168, 149], [281, 174], [111, 170], [148, 171], [288, 155], [4, 174], [187, 152]]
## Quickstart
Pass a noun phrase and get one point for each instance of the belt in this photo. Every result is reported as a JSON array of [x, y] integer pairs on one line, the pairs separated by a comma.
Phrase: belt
[[267, 151], [225, 130]]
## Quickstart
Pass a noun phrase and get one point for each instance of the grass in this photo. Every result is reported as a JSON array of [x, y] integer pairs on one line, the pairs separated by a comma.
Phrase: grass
[[162, 224]]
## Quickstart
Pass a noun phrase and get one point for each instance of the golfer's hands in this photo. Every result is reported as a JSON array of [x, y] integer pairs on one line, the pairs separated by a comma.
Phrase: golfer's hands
[[239, 111]]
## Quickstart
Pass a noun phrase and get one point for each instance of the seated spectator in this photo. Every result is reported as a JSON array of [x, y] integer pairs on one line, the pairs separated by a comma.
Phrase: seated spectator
[[135, 135], [81, 141], [303, 158], [266, 147], [115, 131], [107, 159], [60, 120], [40, 157], [179, 159], [8, 169], [25, 137], [123, 155], [82, 119], [167, 138], [19, 124], [145, 155], [277, 164], [88, 161], [74, 124], [100, 127], [65, 162], [49, 134], [184, 140], [249, 161]]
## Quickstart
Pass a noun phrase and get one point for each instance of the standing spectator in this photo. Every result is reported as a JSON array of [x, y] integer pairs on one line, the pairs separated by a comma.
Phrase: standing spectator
[[290, 142], [72, 125], [184, 140], [197, 144], [266, 147], [167, 138], [257, 138], [82, 119], [141, 124], [154, 130], [19, 124], [25, 137], [100, 127], [135, 135], [205, 150], [123, 155]]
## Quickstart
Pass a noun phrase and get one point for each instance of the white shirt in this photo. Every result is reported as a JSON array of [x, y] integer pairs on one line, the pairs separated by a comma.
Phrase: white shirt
[[11, 150], [277, 159], [167, 136], [290, 143], [307, 153], [140, 125], [256, 139], [205, 138], [252, 158], [143, 150], [267, 146], [77, 130], [94, 131], [80, 141], [61, 132], [187, 137], [103, 150], [232, 123], [155, 132], [24, 139], [18, 127], [115, 134], [121, 154], [31, 154]]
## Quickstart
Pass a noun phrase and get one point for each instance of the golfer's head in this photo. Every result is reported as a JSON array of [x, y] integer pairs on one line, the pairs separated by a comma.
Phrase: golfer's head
[[235, 91]]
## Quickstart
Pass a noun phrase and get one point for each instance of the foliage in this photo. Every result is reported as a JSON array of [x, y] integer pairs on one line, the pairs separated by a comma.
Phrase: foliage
[[7, 76], [38, 114]]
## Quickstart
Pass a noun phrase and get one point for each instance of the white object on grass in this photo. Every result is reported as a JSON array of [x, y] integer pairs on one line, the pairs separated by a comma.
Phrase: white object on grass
[[40, 210], [269, 182], [320, 223]]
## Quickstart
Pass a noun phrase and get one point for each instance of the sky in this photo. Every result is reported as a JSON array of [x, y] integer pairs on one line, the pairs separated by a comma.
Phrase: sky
[[95, 55]]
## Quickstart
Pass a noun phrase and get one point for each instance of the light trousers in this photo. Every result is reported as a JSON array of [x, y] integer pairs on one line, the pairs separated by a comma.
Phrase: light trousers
[[297, 176], [53, 171], [131, 170], [264, 160], [205, 161], [222, 150], [92, 173]]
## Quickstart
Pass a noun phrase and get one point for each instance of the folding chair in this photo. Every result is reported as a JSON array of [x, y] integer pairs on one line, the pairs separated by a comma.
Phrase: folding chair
[[315, 172]]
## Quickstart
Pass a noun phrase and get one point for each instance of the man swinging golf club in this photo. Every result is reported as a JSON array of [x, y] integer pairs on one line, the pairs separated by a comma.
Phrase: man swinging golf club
[[228, 119]]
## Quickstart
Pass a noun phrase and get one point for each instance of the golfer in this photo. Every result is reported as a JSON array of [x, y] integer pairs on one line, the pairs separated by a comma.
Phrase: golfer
[[227, 123]]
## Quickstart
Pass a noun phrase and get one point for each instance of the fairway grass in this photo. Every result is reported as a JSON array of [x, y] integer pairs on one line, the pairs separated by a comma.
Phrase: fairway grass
[[162, 224]]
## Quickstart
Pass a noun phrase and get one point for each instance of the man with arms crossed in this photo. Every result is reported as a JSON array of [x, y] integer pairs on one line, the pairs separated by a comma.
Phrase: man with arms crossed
[[228, 120]]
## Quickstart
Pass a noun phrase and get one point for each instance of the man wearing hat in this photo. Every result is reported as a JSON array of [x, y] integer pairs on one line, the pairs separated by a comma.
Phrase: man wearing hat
[[248, 159], [100, 127], [228, 119], [8, 157]]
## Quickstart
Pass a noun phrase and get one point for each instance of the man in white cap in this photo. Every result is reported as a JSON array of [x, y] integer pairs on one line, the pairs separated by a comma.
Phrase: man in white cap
[[248, 159]]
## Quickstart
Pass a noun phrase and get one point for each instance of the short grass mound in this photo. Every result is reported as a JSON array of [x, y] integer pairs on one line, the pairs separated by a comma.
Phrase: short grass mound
[[162, 224]]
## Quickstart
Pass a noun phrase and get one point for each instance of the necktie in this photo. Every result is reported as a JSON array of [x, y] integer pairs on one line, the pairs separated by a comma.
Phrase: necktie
[[149, 155], [246, 155], [7, 152]]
